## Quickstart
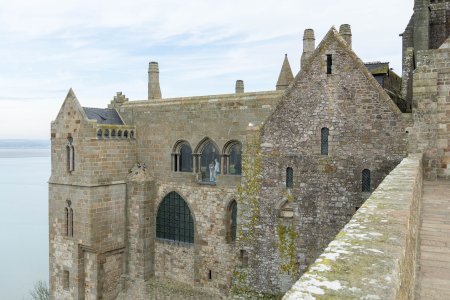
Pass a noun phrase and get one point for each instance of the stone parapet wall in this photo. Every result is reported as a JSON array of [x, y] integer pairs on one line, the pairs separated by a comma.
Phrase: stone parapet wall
[[374, 256]]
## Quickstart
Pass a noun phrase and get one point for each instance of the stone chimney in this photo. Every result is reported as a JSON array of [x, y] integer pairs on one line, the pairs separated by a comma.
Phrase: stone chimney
[[285, 78], [154, 91], [346, 32], [309, 45], [421, 23], [239, 86]]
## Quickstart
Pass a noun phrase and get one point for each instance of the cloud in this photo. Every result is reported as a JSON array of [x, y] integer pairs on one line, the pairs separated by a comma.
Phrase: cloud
[[100, 47]]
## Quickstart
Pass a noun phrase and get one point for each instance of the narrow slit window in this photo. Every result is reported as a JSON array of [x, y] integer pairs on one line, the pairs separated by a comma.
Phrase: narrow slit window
[[289, 177], [233, 221], [70, 231], [70, 154], [66, 277], [329, 63], [324, 133], [243, 258], [365, 180], [66, 213]]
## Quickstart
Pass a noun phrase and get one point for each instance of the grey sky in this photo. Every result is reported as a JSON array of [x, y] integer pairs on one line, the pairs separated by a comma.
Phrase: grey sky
[[101, 47]]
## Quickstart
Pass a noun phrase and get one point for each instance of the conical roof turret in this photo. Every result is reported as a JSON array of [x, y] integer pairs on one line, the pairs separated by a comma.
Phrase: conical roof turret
[[286, 75]]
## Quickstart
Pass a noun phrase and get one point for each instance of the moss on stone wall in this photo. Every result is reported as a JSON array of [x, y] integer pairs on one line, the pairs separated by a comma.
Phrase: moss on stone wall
[[249, 190], [286, 246], [249, 214]]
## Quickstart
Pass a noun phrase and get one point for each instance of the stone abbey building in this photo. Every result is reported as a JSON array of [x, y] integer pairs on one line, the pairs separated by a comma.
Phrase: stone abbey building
[[236, 195]]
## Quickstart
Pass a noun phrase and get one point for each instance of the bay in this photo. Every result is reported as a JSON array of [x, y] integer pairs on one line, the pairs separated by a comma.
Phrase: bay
[[24, 172]]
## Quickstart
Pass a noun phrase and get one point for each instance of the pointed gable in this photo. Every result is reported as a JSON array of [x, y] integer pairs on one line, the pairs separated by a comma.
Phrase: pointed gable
[[71, 105], [285, 78], [71, 117], [334, 90], [333, 36]]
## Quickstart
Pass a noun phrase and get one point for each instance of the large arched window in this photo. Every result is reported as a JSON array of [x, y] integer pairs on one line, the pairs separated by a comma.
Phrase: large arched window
[[324, 132], [209, 162], [173, 220], [365, 180], [182, 157], [233, 158]]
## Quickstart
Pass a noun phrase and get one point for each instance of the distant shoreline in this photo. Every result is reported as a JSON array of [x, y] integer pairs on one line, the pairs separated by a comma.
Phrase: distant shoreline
[[24, 148], [23, 153], [12, 145]]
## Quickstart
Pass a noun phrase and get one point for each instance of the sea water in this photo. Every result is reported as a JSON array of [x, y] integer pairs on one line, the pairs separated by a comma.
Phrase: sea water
[[24, 172]]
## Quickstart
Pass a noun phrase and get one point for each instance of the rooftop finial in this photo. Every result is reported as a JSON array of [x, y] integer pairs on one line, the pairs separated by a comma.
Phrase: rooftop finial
[[285, 78]]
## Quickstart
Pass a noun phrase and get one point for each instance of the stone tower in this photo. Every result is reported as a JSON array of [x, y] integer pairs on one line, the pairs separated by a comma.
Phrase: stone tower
[[425, 83], [92, 152]]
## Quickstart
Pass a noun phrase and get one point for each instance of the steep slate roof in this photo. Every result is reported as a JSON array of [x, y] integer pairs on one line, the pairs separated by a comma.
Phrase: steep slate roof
[[286, 75], [103, 115]]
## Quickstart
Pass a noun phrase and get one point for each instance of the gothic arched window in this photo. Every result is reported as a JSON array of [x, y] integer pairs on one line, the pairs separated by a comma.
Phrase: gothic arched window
[[365, 180], [209, 162], [182, 157], [324, 132], [233, 158], [173, 220], [185, 158], [289, 177]]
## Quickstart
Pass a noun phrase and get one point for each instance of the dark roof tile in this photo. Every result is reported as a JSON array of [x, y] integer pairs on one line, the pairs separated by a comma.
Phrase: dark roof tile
[[103, 115]]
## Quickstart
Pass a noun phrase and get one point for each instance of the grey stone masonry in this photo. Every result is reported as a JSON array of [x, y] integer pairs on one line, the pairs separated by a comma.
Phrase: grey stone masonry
[[374, 256], [431, 111], [286, 226]]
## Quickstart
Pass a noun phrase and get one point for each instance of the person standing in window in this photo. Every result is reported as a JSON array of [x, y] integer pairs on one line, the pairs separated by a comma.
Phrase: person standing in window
[[212, 176]]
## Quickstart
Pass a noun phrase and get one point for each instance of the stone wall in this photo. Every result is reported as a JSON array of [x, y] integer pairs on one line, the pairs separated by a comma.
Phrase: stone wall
[[160, 124], [439, 22], [288, 227], [431, 111], [374, 256]]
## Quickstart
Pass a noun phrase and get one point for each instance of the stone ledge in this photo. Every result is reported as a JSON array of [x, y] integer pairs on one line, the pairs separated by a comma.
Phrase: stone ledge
[[373, 257]]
